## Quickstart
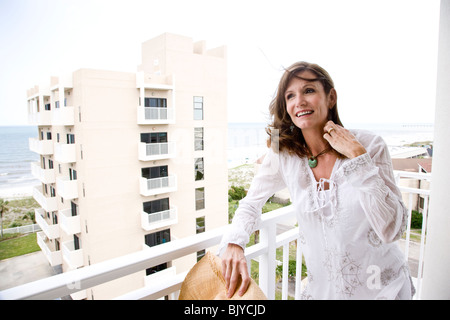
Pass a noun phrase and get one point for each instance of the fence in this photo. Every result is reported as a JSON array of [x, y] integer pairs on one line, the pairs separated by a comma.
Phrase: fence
[[23, 229]]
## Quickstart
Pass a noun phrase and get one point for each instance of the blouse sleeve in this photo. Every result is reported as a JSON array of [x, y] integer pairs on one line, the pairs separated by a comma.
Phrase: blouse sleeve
[[372, 175], [247, 218]]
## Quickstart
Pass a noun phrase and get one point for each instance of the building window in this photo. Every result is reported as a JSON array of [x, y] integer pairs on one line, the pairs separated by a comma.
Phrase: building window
[[154, 239], [70, 138], [198, 139], [199, 169], [72, 174], [156, 206], [198, 108], [155, 102], [200, 228], [199, 198], [200, 225], [154, 137], [155, 172], [200, 254]]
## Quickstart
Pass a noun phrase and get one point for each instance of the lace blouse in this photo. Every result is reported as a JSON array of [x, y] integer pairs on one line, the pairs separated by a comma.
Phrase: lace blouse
[[347, 232]]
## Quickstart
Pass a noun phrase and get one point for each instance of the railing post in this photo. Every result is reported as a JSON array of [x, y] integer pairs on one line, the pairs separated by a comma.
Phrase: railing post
[[267, 261]]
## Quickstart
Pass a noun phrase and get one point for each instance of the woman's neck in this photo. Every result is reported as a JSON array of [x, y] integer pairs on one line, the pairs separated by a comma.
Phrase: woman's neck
[[315, 141]]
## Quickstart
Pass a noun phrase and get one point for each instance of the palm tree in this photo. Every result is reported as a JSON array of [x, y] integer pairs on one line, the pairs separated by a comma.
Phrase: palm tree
[[3, 209]]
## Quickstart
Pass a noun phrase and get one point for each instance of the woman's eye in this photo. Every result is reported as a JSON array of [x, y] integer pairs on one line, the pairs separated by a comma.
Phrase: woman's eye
[[309, 90], [289, 96]]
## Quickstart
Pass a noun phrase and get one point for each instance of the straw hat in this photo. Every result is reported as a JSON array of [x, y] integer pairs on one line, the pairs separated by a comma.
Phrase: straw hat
[[205, 282]]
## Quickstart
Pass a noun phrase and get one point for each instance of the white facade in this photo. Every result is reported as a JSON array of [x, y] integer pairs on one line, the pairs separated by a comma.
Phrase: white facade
[[131, 160]]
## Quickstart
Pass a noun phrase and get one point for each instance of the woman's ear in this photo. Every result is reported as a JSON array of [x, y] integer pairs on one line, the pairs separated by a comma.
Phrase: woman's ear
[[332, 98]]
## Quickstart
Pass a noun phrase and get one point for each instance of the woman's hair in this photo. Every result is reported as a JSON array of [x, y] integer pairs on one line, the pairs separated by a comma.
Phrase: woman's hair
[[282, 131]]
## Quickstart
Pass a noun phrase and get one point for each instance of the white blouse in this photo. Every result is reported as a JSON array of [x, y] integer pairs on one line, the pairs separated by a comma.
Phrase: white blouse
[[348, 231]]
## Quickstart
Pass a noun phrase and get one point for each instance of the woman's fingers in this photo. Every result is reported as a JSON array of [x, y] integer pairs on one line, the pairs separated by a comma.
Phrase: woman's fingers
[[234, 267], [342, 140]]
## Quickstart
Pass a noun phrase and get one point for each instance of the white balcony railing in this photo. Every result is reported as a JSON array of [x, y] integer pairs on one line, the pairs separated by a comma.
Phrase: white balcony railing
[[67, 188], [71, 255], [50, 230], [49, 204], [65, 153], [160, 219], [63, 116], [42, 147], [265, 252], [44, 175], [54, 257], [149, 115], [41, 118], [156, 151], [150, 187], [69, 224]]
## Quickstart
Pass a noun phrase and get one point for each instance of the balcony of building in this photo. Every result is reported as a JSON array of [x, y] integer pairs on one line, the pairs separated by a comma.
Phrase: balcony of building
[[156, 151], [65, 152], [159, 108], [150, 187], [149, 115], [40, 118], [42, 147], [151, 221], [70, 224], [54, 257], [47, 203], [44, 175], [51, 231], [67, 188], [276, 240], [72, 254], [63, 116]]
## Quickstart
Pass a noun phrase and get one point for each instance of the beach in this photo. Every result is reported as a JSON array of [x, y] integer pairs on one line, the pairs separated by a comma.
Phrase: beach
[[9, 193]]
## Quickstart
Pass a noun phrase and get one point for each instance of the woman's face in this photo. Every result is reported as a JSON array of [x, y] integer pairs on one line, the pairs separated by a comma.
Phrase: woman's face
[[307, 103]]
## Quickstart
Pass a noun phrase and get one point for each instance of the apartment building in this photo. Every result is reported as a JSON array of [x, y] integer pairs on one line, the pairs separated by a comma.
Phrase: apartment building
[[131, 160]]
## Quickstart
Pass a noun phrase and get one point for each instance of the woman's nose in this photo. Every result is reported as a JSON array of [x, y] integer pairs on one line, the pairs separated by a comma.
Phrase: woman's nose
[[300, 100]]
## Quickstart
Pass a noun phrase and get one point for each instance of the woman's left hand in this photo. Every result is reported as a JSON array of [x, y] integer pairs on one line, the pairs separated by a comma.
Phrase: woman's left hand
[[342, 140]]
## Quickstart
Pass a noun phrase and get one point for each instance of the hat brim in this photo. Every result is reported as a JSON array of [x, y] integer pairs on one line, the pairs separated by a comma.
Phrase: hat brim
[[205, 282]]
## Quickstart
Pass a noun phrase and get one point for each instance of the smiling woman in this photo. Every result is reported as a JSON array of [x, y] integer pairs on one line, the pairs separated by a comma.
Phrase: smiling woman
[[348, 207]]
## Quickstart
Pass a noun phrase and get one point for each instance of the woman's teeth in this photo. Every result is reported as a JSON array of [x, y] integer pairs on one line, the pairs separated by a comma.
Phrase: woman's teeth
[[302, 113]]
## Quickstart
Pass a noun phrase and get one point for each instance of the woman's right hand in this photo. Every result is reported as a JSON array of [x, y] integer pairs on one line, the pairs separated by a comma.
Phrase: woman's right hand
[[234, 265]]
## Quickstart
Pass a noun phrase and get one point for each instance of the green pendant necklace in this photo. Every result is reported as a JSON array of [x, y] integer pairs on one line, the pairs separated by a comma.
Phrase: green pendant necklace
[[312, 161]]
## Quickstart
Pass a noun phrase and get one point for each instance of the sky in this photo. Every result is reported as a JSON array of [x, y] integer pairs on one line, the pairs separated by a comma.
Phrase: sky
[[382, 55]]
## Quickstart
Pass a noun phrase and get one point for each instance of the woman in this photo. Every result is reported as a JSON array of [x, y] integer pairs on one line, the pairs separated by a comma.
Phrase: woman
[[348, 207]]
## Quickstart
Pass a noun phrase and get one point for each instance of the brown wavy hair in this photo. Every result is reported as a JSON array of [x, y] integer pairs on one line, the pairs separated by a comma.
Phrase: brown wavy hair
[[284, 135]]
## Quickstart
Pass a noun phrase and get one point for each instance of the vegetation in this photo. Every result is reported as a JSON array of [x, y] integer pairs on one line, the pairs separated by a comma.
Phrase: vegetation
[[416, 220], [16, 213], [13, 245]]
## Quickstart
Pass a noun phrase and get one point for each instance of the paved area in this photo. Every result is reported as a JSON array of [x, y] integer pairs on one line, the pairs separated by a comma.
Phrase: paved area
[[23, 269]]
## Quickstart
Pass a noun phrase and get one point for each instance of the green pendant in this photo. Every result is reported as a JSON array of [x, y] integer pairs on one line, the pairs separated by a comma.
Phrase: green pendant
[[312, 162]]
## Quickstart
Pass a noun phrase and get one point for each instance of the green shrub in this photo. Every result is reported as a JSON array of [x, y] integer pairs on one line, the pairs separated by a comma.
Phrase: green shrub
[[292, 269], [416, 220], [236, 193]]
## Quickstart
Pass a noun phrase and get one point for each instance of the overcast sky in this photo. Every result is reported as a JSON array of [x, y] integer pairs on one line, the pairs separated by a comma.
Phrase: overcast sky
[[381, 54]]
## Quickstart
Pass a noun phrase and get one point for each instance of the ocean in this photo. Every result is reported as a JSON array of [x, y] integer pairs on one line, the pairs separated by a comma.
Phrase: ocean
[[16, 159], [246, 143]]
